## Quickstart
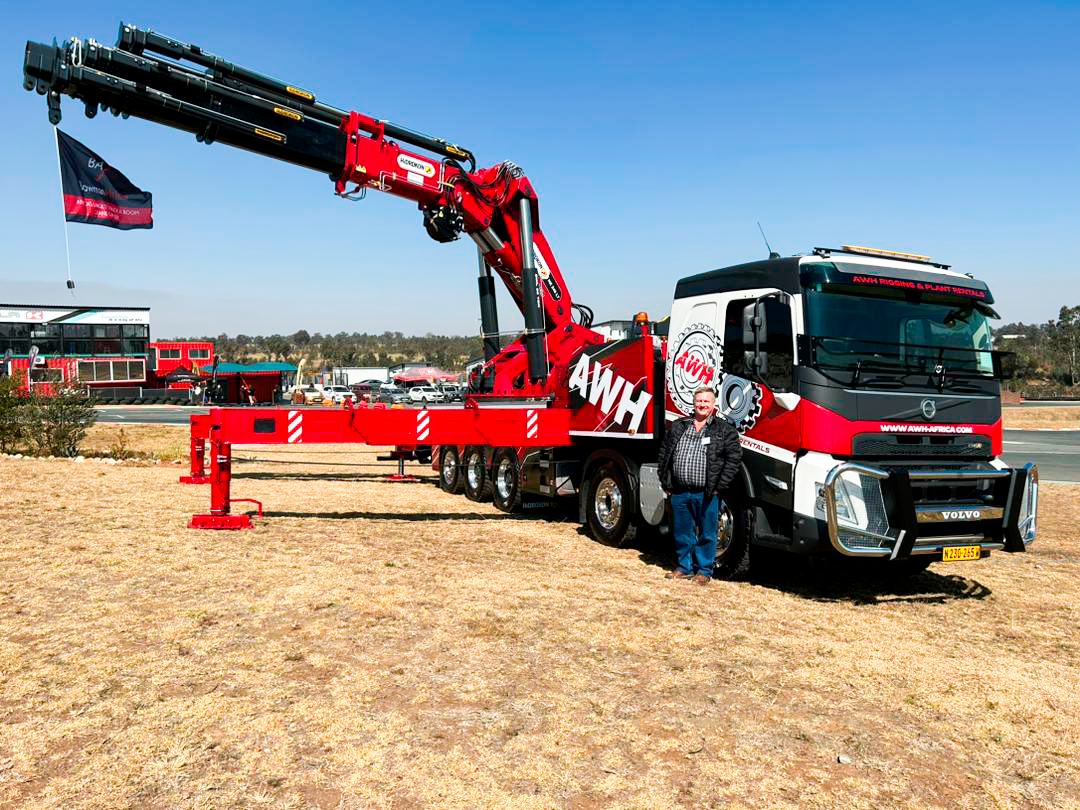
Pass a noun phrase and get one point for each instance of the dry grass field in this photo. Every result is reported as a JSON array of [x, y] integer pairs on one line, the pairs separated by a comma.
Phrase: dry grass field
[[1033, 418], [381, 645]]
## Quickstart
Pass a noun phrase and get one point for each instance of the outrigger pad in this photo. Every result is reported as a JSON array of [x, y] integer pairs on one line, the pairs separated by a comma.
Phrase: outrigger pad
[[220, 522], [194, 479]]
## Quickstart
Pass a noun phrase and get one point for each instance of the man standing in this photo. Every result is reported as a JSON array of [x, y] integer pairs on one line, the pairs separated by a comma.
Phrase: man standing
[[698, 461]]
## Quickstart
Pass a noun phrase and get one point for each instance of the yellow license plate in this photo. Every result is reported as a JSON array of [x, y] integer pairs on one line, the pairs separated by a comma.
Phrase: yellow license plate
[[961, 553]]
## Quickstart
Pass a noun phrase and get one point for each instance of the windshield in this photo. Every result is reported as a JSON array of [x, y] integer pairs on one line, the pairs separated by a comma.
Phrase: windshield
[[888, 337]]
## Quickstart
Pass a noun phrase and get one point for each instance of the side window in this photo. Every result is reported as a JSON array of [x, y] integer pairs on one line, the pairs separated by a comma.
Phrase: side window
[[778, 344], [734, 348]]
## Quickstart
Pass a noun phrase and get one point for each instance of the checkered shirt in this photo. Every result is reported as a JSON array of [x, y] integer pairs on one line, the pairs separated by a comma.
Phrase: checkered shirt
[[689, 462]]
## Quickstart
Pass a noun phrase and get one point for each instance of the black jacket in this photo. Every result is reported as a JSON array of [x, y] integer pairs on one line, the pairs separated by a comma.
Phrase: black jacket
[[722, 454]]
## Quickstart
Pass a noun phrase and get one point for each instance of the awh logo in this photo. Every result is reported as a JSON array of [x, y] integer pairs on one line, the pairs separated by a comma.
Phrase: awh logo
[[694, 368], [602, 387], [698, 353]]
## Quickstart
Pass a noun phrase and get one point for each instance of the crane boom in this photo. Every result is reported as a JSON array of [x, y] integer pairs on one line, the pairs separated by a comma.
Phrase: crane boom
[[147, 75]]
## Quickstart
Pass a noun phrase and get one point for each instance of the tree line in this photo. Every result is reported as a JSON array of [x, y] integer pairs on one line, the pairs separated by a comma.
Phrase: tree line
[[1047, 354], [449, 352]]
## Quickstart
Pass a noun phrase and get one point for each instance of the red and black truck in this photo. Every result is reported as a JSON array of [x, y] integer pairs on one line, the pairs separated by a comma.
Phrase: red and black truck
[[863, 383]]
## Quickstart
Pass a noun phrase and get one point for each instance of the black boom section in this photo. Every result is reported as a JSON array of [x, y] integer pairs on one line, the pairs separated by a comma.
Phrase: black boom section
[[224, 103]]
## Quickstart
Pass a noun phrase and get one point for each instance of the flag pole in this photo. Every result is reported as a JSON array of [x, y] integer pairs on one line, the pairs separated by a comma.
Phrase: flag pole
[[63, 212]]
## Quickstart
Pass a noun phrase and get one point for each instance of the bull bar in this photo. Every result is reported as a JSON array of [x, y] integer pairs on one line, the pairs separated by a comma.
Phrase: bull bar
[[1013, 528]]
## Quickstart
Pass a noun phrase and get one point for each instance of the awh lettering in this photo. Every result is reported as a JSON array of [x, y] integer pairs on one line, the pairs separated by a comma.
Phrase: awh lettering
[[695, 368], [601, 386]]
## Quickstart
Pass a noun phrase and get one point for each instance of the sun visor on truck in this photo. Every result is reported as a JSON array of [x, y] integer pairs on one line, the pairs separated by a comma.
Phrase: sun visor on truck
[[896, 278]]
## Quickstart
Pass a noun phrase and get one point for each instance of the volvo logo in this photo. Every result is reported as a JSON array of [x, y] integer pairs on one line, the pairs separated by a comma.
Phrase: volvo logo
[[929, 408]]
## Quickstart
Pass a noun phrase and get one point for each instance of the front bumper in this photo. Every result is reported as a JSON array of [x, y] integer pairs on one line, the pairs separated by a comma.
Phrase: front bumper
[[873, 512]]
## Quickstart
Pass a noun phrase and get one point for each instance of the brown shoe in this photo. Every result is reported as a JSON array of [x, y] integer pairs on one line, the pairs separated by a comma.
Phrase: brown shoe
[[676, 574], [701, 579]]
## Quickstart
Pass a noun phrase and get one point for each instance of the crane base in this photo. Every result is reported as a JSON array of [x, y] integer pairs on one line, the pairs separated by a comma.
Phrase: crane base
[[220, 522]]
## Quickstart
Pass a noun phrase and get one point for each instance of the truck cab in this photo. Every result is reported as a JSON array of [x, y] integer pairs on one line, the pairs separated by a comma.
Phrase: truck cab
[[866, 392]]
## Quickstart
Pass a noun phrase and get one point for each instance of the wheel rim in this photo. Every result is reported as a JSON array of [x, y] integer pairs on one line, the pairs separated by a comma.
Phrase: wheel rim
[[504, 479], [607, 504], [475, 471], [449, 469], [725, 529]]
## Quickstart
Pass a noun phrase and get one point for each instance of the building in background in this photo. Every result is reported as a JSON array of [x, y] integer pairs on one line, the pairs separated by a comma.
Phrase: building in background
[[49, 346], [169, 356]]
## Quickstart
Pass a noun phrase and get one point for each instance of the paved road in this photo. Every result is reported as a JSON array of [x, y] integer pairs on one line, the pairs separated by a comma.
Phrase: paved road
[[1057, 452], [146, 414]]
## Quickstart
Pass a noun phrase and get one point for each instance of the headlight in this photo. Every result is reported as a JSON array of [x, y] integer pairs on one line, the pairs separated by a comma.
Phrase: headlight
[[859, 502]]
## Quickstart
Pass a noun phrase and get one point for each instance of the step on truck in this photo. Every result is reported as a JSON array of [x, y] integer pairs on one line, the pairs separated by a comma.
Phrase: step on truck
[[863, 383]]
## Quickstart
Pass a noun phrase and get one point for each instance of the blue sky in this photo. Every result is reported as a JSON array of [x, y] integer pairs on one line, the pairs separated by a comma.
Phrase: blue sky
[[656, 136]]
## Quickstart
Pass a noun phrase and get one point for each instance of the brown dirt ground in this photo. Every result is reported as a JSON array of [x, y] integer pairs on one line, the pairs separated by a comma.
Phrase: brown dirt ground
[[379, 645], [1032, 418]]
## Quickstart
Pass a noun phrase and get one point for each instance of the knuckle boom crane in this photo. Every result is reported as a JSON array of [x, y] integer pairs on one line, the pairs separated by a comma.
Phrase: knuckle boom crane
[[863, 383], [144, 76]]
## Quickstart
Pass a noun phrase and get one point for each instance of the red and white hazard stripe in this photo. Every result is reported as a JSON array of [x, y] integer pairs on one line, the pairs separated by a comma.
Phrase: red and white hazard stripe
[[422, 423], [532, 424], [296, 426]]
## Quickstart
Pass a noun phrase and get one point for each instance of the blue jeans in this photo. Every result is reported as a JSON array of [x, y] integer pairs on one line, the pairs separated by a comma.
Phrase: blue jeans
[[695, 516]]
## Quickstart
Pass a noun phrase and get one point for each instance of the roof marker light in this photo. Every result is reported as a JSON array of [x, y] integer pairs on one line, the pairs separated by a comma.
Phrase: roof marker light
[[891, 254]]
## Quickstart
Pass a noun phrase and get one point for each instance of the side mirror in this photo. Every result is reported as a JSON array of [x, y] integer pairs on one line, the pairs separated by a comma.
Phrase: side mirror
[[755, 333], [755, 329], [1004, 364]]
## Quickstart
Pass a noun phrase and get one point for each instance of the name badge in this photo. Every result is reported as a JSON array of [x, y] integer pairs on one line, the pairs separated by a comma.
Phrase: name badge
[[706, 440]]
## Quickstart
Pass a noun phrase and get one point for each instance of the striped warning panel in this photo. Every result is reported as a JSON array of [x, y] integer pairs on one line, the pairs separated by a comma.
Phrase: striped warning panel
[[423, 418], [532, 424], [296, 426]]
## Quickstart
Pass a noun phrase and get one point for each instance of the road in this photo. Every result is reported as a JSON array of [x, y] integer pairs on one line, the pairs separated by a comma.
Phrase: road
[[146, 414], [1057, 452]]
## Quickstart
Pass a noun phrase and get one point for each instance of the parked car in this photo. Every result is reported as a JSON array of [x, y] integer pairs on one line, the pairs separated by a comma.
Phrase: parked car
[[391, 396], [310, 392], [338, 393], [452, 392], [426, 393]]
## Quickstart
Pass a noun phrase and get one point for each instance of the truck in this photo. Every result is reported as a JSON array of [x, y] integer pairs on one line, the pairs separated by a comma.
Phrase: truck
[[863, 383]]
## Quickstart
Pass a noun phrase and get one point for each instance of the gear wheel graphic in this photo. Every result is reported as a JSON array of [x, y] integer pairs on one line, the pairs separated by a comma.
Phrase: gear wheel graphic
[[739, 401]]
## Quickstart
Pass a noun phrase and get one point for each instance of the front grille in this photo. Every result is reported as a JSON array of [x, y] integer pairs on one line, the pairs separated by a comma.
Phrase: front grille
[[883, 445]]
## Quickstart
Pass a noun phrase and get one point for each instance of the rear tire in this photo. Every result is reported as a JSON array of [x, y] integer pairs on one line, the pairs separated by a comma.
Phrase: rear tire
[[506, 480], [733, 538], [610, 508], [450, 474], [476, 474]]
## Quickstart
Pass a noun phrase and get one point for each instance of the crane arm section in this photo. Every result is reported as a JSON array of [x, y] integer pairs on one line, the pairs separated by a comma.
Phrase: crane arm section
[[182, 86]]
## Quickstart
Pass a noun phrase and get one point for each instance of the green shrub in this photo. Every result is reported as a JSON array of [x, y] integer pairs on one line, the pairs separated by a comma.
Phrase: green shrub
[[55, 425], [12, 414]]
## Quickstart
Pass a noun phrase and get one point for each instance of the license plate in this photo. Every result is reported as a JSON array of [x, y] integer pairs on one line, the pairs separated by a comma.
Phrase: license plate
[[961, 553]]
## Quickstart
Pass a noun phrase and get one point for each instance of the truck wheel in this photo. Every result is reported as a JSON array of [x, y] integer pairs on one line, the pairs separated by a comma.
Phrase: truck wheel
[[610, 510], [477, 477], [732, 538], [506, 480], [450, 476]]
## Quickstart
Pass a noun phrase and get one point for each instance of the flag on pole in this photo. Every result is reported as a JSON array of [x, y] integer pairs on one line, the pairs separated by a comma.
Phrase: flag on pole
[[98, 194]]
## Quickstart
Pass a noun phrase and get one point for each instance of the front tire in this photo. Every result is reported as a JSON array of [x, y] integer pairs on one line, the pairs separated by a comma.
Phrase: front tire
[[477, 476], [506, 480], [610, 508], [451, 478], [733, 538]]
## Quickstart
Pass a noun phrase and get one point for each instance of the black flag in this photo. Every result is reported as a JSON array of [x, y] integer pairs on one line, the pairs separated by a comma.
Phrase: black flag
[[96, 193]]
